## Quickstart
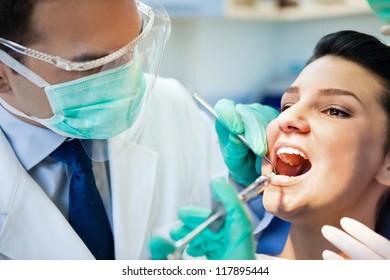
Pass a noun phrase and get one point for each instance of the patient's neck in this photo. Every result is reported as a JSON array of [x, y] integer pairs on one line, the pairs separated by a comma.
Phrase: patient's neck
[[305, 243]]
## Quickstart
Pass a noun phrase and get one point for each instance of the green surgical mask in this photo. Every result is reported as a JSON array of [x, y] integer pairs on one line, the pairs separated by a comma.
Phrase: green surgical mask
[[99, 106]]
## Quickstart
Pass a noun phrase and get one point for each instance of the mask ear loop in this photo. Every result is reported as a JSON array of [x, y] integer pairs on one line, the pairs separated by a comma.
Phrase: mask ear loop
[[22, 70], [19, 113], [28, 74]]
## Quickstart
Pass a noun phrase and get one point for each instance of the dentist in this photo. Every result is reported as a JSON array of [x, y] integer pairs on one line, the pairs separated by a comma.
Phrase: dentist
[[79, 89]]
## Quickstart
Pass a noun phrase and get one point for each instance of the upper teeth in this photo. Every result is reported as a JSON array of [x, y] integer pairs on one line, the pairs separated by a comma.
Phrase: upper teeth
[[292, 151]]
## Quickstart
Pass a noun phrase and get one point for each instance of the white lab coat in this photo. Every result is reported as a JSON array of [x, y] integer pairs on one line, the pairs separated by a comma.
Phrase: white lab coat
[[170, 166]]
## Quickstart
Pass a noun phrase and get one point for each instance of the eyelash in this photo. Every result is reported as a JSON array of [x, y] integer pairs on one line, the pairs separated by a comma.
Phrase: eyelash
[[330, 111], [340, 113], [284, 107]]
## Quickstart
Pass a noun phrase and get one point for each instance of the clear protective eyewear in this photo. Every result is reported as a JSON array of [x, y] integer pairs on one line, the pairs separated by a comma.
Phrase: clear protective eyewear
[[148, 47], [88, 65]]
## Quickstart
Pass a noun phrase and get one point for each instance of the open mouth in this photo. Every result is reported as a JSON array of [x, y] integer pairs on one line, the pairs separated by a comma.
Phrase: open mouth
[[292, 162]]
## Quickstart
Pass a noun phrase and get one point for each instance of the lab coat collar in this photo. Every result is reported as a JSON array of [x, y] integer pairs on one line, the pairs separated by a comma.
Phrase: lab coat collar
[[33, 228], [132, 195]]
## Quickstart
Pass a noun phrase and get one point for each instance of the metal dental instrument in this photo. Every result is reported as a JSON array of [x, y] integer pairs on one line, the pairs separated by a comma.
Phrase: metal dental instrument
[[218, 214], [211, 110]]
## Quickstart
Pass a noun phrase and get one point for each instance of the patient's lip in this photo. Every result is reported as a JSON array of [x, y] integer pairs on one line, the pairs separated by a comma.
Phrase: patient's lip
[[282, 180]]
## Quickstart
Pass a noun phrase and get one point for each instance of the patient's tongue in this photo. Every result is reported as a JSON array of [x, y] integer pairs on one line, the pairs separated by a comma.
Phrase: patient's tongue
[[291, 159], [292, 165]]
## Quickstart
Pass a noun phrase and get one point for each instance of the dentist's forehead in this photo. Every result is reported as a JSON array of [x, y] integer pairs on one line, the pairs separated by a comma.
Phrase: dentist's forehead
[[107, 24]]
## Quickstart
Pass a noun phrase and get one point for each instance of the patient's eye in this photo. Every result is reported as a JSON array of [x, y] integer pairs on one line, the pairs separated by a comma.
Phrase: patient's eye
[[335, 112], [285, 106]]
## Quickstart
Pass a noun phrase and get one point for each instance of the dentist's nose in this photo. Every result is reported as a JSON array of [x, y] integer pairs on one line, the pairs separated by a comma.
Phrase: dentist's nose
[[292, 120]]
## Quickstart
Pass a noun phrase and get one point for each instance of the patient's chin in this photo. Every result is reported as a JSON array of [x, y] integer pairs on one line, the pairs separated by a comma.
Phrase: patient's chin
[[280, 205]]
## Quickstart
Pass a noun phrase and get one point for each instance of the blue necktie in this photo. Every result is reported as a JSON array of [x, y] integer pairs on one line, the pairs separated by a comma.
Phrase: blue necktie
[[274, 236], [87, 215]]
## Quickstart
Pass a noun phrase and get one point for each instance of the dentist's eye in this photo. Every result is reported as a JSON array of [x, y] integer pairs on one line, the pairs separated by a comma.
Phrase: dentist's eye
[[334, 112]]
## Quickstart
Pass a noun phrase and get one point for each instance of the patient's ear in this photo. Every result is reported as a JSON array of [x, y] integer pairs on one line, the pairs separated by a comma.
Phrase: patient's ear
[[4, 84], [383, 174]]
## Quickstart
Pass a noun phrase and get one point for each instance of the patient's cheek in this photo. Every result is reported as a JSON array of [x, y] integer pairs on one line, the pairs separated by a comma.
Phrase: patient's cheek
[[272, 132]]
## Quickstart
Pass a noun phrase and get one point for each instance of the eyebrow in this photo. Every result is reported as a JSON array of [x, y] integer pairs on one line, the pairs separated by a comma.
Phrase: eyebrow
[[328, 92], [292, 90]]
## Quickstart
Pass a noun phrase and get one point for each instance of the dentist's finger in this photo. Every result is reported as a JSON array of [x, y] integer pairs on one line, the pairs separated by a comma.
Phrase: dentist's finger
[[367, 236], [330, 255], [348, 245]]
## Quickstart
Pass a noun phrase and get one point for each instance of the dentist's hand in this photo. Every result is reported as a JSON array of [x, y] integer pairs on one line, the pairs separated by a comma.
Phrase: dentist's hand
[[160, 248], [233, 241], [250, 120], [381, 9], [358, 242]]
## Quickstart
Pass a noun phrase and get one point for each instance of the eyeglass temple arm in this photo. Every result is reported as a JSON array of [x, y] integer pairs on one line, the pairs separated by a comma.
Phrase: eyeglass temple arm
[[63, 63], [14, 46]]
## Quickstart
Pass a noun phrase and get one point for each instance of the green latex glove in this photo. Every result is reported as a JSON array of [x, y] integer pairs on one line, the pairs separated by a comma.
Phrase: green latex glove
[[160, 248], [251, 121], [207, 244], [381, 9], [233, 241]]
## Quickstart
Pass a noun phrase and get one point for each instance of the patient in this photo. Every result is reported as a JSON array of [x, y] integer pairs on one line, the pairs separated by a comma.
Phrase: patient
[[335, 116], [331, 147]]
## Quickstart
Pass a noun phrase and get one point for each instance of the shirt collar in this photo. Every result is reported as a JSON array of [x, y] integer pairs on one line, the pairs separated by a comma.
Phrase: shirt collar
[[30, 143]]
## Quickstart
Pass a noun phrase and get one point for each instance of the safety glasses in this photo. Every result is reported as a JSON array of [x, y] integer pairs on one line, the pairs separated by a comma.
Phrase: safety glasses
[[87, 65]]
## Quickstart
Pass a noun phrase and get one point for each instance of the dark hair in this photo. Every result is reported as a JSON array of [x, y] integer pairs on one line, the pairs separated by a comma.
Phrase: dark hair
[[370, 53], [15, 22]]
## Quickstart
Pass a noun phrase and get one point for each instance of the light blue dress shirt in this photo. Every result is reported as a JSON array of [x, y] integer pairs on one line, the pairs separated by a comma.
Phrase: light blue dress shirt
[[33, 146]]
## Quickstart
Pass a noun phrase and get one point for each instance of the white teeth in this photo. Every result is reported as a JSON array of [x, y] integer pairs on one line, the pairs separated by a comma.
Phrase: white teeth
[[292, 151]]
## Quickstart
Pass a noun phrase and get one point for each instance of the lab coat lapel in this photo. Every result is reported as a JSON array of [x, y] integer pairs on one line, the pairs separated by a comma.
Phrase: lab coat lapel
[[133, 176], [34, 228]]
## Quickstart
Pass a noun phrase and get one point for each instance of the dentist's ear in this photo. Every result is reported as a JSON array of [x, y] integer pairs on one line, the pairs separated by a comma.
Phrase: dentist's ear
[[4, 84], [383, 174]]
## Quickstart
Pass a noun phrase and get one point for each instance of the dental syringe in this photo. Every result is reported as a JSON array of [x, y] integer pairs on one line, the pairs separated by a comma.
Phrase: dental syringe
[[217, 216]]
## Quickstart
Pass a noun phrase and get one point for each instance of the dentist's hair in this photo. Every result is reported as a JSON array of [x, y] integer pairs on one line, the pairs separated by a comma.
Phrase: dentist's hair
[[373, 55], [16, 23]]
